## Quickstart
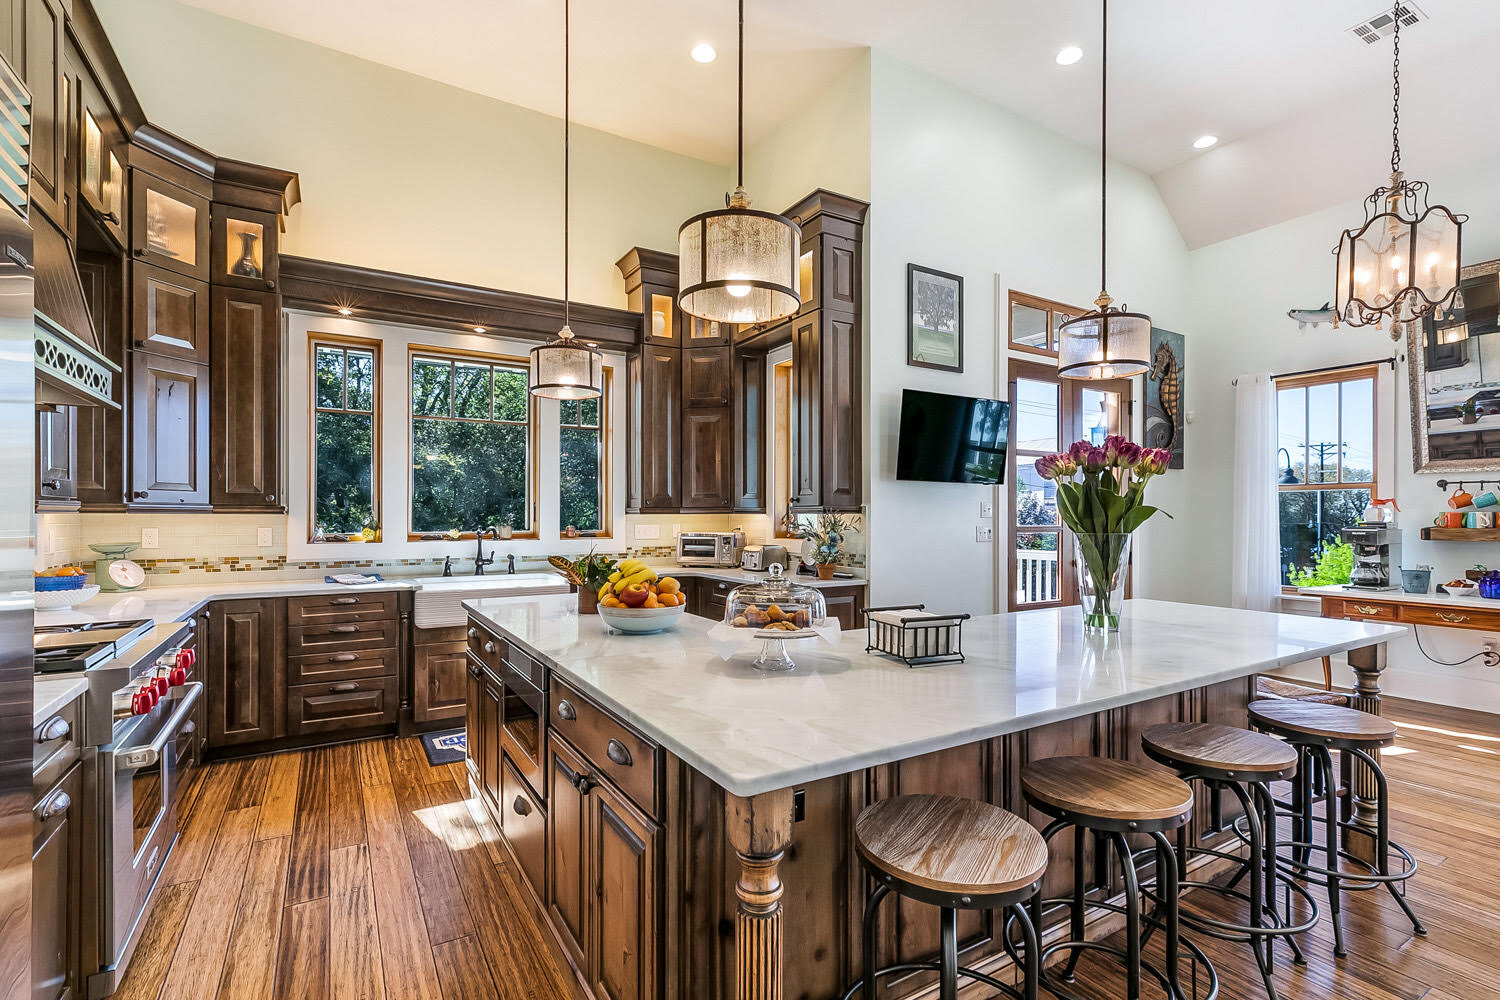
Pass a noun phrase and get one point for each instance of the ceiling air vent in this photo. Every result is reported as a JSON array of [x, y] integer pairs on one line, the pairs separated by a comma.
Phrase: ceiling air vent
[[1383, 24]]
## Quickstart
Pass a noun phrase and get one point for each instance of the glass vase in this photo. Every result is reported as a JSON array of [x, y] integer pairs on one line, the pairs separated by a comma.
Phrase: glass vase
[[1103, 564]]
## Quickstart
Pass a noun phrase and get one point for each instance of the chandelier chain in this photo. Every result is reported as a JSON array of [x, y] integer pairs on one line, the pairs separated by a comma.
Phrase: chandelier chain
[[1104, 147], [567, 145], [740, 125], [1397, 12]]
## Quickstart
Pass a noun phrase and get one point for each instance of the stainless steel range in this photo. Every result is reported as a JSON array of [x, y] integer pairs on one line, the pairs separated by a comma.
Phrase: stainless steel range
[[140, 722]]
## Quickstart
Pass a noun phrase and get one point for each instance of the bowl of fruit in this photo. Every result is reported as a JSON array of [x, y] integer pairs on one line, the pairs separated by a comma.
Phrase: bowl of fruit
[[62, 587], [635, 600], [1461, 588]]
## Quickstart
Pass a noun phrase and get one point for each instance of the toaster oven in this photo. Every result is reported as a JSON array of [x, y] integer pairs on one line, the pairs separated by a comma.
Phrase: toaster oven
[[710, 548]]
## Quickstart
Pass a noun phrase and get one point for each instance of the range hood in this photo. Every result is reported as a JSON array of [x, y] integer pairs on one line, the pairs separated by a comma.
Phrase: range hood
[[71, 370]]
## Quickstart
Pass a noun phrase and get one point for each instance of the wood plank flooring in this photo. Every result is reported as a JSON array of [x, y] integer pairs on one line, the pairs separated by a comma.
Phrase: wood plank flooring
[[360, 872]]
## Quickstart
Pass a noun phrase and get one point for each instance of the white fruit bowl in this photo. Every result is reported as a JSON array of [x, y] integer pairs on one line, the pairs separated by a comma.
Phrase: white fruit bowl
[[51, 600], [642, 621]]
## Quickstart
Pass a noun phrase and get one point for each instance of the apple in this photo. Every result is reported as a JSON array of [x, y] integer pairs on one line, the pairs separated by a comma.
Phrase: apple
[[634, 597]]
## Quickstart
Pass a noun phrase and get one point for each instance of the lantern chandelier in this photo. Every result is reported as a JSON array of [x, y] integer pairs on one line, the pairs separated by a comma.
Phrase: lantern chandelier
[[1404, 263], [738, 265], [1107, 342], [566, 368]]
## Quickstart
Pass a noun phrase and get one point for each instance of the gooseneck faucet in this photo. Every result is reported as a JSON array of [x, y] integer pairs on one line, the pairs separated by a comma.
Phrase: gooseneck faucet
[[480, 559]]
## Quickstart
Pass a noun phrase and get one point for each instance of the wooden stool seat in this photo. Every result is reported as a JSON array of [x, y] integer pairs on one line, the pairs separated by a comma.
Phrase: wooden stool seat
[[1222, 752], [1275, 687], [1107, 794], [950, 845], [1327, 724]]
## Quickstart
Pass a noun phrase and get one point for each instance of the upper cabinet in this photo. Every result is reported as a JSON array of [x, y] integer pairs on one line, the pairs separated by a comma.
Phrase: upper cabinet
[[169, 225], [243, 253], [169, 313], [35, 50], [102, 157]]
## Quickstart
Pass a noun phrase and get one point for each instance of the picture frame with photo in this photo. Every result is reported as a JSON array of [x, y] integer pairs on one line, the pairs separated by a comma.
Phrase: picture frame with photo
[[934, 319]]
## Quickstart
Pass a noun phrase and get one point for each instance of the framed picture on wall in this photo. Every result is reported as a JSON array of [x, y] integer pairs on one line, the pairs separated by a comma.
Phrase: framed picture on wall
[[934, 319]]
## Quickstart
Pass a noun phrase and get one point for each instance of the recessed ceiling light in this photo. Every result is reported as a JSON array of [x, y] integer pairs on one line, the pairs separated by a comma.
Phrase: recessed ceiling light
[[1069, 55], [479, 329], [704, 53], [345, 311], [1205, 141]]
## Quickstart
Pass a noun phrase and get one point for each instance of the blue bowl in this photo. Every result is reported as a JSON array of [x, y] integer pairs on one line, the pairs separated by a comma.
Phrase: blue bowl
[[61, 582]]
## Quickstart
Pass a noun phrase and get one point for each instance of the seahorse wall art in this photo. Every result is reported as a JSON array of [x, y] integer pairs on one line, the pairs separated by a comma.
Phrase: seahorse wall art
[[1165, 393]]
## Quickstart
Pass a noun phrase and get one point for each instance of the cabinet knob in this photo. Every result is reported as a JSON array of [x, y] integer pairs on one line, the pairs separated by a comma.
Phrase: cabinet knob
[[270, 285], [619, 753], [489, 647], [584, 784], [473, 633], [54, 728], [139, 251], [139, 494], [113, 218], [270, 498], [50, 484], [566, 711], [521, 806], [55, 805]]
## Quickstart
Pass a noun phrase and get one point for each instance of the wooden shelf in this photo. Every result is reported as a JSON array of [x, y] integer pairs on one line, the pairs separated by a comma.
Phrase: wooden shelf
[[1435, 534]]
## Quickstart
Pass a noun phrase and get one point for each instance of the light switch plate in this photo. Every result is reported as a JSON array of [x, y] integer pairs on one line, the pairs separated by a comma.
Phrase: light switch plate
[[647, 531], [263, 537], [984, 532], [150, 538], [986, 508]]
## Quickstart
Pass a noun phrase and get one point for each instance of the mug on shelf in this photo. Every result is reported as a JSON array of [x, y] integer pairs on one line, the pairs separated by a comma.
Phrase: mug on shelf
[[1471, 520], [1460, 499], [1484, 519], [1449, 519], [1486, 499]]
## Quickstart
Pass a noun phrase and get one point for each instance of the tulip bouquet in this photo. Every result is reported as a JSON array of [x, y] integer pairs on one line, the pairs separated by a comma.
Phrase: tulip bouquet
[[1102, 509]]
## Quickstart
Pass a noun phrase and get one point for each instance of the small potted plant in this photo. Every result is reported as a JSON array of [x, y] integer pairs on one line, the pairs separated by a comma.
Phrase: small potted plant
[[587, 575], [506, 524], [827, 535], [1468, 413]]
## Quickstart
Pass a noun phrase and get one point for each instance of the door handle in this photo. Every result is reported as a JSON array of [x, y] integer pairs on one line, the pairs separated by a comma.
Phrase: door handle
[[1365, 609], [1455, 619], [619, 753], [139, 757], [489, 647], [344, 688], [343, 657], [50, 484]]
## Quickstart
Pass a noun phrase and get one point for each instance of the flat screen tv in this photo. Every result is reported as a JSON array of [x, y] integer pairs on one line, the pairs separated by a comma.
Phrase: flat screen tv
[[952, 439]]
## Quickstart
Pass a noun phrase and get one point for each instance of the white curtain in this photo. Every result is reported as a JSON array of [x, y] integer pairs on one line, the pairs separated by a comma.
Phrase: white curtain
[[1255, 569]]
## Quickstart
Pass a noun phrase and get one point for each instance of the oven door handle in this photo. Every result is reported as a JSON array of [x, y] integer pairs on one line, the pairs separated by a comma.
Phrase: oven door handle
[[139, 757]]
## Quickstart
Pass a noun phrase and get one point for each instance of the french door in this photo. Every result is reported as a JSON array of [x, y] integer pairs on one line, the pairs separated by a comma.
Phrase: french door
[[1048, 414]]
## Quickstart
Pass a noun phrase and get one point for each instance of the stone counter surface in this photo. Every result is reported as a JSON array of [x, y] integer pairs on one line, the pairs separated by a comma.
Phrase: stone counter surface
[[843, 709]]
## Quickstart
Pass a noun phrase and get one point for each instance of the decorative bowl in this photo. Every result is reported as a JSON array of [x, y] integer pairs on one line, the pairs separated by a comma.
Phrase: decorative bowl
[[50, 600], [1472, 590], [68, 582], [642, 621]]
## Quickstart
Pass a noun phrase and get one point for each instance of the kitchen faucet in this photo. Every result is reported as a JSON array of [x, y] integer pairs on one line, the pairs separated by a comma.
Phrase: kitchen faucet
[[510, 559], [480, 560], [447, 565]]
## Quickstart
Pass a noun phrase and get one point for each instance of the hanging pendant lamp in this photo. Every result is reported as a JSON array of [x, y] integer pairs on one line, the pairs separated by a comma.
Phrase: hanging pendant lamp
[[738, 265], [1106, 342], [566, 368], [1404, 263]]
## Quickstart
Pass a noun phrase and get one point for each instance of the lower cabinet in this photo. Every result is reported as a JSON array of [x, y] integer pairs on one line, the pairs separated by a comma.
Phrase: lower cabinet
[[568, 898], [56, 888], [491, 698], [438, 672], [473, 727], [524, 822], [246, 672], [333, 707]]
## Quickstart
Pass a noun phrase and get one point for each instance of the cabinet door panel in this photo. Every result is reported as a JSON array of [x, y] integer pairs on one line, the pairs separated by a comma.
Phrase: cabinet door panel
[[169, 314], [102, 432], [568, 896], [56, 456], [841, 424], [438, 681], [750, 432], [244, 249], [706, 479], [168, 225], [473, 732], [705, 376], [245, 677], [56, 878], [245, 334], [491, 708], [43, 73], [169, 434], [525, 829], [331, 708], [622, 863], [658, 430]]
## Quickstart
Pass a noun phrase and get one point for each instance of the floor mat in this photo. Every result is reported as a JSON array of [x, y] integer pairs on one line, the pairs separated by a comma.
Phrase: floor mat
[[449, 746]]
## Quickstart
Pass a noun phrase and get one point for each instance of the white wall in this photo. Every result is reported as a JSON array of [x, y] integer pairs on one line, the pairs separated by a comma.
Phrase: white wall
[[399, 172], [962, 185]]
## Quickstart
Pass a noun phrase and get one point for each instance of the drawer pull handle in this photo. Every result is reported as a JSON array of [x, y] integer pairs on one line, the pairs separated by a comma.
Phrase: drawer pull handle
[[343, 657], [566, 711], [1366, 609], [54, 728], [343, 629], [188, 728], [344, 688], [473, 633], [1455, 619], [619, 753], [342, 600], [521, 806], [489, 647], [55, 805]]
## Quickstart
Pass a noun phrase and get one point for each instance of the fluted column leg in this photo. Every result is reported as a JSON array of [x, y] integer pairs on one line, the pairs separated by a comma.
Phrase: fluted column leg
[[760, 830], [1368, 663]]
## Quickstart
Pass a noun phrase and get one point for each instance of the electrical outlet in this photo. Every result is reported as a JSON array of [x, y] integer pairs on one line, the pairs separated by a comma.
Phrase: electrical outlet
[[263, 537], [150, 538], [647, 531], [985, 532], [986, 508]]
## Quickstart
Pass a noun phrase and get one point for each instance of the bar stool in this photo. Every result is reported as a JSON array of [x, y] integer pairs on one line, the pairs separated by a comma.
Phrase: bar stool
[[1113, 798], [1246, 763], [956, 854], [1314, 731]]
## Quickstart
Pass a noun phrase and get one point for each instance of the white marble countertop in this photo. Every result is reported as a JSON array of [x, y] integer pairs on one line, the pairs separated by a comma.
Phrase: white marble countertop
[[735, 575], [843, 709], [52, 691], [1444, 600]]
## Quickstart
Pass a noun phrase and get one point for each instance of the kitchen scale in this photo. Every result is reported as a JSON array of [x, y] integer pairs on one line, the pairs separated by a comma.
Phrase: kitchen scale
[[114, 571]]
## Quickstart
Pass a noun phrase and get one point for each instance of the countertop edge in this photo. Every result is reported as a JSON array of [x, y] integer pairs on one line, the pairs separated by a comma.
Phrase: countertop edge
[[59, 690]]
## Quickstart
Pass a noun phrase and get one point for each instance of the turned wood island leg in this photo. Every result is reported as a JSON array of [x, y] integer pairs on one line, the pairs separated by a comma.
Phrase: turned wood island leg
[[760, 830], [1367, 662]]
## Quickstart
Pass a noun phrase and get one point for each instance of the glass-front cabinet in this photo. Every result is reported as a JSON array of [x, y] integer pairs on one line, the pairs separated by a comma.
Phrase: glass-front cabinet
[[169, 225], [244, 248], [101, 169]]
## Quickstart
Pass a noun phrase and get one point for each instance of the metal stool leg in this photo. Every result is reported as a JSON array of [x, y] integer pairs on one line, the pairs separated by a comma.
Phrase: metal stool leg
[[1132, 917], [1076, 912], [1030, 935], [1166, 887], [948, 976], [1383, 836], [1253, 864], [868, 966], [1331, 831]]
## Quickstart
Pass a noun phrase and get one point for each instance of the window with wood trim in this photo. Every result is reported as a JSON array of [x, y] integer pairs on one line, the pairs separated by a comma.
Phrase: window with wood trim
[[1326, 459], [1034, 322], [583, 463], [471, 443], [346, 433]]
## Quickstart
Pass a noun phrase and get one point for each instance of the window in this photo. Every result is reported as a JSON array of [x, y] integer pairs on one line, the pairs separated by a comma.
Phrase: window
[[344, 438], [1325, 460], [1034, 323], [471, 443], [583, 436]]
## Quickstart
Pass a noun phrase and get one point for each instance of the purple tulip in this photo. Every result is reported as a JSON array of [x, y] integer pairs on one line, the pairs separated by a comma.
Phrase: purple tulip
[[1079, 451], [1096, 461], [1130, 455], [1046, 466]]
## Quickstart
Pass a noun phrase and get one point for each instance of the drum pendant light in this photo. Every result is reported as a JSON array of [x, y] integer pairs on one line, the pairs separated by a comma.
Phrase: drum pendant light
[[566, 368], [738, 265], [1106, 342]]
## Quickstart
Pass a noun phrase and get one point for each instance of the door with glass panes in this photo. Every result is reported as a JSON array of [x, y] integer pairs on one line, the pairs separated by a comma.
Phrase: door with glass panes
[[1048, 414]]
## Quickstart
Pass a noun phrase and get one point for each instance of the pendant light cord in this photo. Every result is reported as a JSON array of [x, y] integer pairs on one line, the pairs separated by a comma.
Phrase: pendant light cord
[[567, 148], [1397, 12], [740, 126], [1104, 150]]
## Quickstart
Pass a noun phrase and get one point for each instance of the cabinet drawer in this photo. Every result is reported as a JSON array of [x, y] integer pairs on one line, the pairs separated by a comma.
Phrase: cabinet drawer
[[525, 824], [1456, 617], [57, 735], [1373, 610], [328, 708], [341, 637], [486, 647], [328, 609], [624, 756], [318, 668]]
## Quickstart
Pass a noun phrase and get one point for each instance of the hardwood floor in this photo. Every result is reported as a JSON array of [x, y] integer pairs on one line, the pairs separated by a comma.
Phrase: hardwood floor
[[360, 872]]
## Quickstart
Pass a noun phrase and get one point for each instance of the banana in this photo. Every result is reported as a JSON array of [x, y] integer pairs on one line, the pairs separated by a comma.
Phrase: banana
[[615, 576], [643, 575], [604, 591], [629, 566]]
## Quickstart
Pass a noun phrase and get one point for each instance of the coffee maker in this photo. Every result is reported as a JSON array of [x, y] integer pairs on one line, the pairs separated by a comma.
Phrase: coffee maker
[[1377, 554]]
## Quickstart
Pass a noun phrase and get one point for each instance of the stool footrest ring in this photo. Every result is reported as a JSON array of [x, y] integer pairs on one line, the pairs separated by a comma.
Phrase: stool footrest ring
[[963, 971]]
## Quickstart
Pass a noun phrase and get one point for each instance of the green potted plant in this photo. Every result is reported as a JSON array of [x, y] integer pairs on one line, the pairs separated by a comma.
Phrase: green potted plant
[[827, 534], [587, 575], [506, 524], [1468, 413]]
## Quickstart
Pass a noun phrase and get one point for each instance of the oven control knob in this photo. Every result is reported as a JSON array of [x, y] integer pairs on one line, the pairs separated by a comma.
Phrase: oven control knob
[[148, 692], [184, 660], [177, 676], [160, 686], [140, 703]]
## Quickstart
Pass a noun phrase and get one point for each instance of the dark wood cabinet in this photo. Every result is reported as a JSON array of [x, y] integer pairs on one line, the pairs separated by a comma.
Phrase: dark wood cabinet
[[169, 313], [243, 248], [169, 432], [657, 432], [473, 727], [806, 488], [101, 431], [57, 459], [491, 707], [623, 845], [102, 156], [826, 423], [706, 456], [438, 681], [525, 825], [844, 603], [35, 51], [169, 225], [339, 706], [245, 676], [245, 401], [568, 898], [705, 376], [749, 433], [56, 888]]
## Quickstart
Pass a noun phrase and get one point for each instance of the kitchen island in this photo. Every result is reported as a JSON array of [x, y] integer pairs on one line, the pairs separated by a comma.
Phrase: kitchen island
[[691, 835]]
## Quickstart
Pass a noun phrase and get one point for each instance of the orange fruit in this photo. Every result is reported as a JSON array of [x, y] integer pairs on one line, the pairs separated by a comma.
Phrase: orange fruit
[[668, 585], [651, 602]]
